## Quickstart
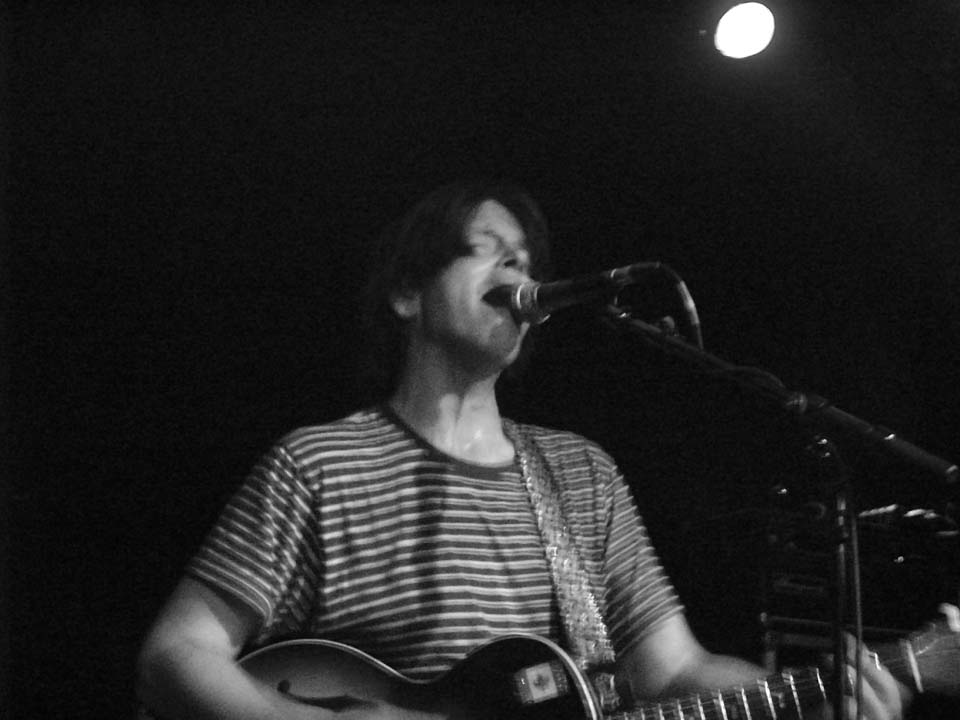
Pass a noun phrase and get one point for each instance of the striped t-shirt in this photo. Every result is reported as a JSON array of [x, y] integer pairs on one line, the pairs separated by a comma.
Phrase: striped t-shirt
[[360, 531]]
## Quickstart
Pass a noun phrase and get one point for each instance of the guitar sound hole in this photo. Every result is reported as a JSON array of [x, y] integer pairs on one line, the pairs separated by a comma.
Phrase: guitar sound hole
[[337, 703]]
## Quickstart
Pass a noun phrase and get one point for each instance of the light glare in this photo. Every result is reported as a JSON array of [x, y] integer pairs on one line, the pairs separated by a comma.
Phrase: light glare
[[744, 30]]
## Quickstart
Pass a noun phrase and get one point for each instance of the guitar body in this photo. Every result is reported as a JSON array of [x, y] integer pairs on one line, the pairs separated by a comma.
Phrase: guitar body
[[515, 677]]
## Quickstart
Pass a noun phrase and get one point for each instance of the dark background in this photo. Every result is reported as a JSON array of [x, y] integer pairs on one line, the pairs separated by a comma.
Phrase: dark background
[[192, 193]]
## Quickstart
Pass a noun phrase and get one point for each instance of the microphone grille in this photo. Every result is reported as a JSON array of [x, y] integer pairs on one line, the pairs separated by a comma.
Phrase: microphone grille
[[526, 305]]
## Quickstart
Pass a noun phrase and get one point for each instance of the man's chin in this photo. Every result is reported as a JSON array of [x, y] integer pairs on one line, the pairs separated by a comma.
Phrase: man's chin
[[506, 343], [493, 361]]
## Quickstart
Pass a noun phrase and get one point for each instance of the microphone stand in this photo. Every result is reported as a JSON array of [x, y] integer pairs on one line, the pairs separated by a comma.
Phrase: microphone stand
[[824, 415], [846, 565]]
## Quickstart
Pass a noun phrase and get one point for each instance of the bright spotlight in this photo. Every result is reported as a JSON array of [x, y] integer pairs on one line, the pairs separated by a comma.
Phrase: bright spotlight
[[744, 30]]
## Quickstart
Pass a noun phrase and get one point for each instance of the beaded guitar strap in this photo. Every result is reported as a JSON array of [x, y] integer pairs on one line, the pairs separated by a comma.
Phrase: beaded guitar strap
[[584, 626]]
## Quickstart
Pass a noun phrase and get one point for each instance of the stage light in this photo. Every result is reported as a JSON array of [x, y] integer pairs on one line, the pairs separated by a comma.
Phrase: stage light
[[744, 30]]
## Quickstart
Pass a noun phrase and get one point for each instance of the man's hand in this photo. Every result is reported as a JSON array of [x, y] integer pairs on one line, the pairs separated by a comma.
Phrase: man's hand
[[883, 696]]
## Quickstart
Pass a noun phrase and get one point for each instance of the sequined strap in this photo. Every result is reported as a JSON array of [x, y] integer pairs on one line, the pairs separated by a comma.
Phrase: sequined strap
[[583, 623]]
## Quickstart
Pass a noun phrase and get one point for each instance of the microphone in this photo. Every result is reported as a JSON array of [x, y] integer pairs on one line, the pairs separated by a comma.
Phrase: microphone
[[534, 302]]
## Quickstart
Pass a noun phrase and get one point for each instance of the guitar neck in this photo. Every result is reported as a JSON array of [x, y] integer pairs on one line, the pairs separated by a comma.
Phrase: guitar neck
[[777, 697], [784, 696]]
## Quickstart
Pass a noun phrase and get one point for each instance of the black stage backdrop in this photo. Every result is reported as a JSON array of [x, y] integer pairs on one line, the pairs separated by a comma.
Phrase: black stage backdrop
[[192, 193]]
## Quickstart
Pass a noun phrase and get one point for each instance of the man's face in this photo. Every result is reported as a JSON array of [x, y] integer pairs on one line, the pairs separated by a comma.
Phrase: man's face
[[452, 314]]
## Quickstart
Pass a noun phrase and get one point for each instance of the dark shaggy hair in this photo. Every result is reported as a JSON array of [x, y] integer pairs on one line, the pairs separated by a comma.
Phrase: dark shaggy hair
[[414, 250]]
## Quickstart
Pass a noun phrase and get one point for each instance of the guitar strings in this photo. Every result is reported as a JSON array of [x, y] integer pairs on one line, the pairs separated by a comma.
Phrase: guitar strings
[[803, 687]]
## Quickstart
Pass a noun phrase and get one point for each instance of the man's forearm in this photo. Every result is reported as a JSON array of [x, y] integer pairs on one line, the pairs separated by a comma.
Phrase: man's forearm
[[187, 681], [714, 672]]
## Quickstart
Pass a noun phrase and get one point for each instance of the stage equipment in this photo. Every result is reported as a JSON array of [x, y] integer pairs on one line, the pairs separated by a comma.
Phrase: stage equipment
[[534, 302], [825, 423], [744, 30]]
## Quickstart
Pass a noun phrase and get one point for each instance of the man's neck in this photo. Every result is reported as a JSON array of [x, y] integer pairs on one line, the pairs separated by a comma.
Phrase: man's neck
[[462, 421]]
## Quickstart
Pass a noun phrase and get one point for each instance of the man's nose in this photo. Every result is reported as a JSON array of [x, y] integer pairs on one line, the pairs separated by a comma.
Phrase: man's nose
[[516, 264]]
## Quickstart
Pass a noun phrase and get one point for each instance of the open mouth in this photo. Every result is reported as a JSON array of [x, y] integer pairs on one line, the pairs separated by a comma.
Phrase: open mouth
[[500, 297]]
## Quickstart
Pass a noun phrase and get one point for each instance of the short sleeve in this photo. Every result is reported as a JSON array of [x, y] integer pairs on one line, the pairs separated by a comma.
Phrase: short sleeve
[[264, 550], [639, 593]]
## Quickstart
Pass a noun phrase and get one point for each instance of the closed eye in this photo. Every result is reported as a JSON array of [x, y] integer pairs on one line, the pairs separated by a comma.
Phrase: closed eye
[[518, 264], [488, 242]]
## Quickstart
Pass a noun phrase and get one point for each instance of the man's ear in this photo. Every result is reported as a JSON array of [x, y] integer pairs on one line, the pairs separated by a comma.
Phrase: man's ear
[[405, 303]]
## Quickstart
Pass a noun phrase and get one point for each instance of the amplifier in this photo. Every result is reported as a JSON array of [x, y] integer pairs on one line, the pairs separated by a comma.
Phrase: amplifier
[[761, 579]]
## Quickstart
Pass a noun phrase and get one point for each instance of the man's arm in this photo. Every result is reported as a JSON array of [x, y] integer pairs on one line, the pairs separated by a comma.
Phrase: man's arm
[[670, 662], [187, 666]]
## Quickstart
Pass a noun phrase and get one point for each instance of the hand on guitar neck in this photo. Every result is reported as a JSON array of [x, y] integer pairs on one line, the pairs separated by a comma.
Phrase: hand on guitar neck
[[925, 662]]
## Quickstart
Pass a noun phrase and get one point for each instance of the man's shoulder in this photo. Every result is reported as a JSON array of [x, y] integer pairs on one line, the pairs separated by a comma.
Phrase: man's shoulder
[[356, 420], [367, 426], [555, 440]]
